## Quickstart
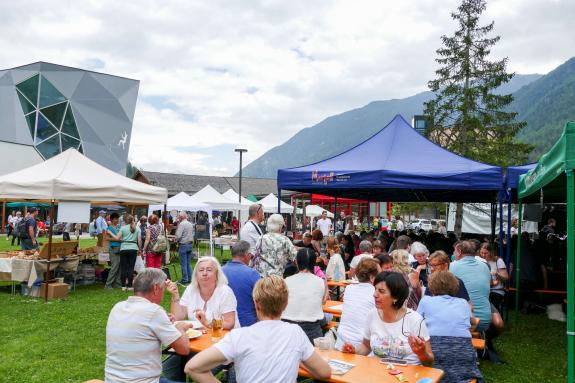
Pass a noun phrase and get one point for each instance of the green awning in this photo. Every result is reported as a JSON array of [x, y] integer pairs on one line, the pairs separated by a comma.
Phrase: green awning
[[549, 174], [26, 204], [252, 198]]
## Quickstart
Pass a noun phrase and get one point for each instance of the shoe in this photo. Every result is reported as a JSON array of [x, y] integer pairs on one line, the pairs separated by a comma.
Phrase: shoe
[[185, 282], [124, 288], [130, 289]]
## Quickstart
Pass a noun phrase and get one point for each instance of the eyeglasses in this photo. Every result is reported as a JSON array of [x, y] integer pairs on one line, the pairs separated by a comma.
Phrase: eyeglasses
[[431, 266], [259, 208], [407, 333]]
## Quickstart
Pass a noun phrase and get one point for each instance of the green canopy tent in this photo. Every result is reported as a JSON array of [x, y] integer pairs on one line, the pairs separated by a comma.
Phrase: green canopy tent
[[553, 180]]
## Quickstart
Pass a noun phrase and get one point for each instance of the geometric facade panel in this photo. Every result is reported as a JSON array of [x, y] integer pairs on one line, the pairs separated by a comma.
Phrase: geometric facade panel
[[37, 94], [49, 108]]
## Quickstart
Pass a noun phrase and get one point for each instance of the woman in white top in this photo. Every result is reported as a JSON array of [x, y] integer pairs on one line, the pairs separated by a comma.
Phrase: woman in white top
[[207, 296], [335, 268], [307, 294], [269, 350], [394, 332], [357, 305], [499, 274]]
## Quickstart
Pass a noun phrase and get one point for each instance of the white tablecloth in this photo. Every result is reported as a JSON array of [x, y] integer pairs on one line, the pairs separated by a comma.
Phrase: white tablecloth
[[24, 270]]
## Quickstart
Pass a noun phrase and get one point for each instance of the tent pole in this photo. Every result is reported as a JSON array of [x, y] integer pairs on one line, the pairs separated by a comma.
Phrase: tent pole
[[334, 214], [518, 258], [279, 200], [501, 224], [508, 248], [570, 281], [49, 250], [4, 215]]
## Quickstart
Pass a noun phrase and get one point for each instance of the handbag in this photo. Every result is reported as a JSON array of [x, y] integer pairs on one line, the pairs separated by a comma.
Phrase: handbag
[[258, 258], [161, 244]]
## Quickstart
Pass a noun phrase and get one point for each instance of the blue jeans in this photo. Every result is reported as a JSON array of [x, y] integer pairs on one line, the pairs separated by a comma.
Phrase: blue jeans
[[186, 253], [26, 244]]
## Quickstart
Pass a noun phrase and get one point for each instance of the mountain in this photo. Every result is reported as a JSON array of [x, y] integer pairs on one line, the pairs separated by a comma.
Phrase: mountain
[[546, 104], [338, 133]]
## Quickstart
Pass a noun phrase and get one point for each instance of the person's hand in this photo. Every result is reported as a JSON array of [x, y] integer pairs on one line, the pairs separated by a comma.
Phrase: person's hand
[[417, 344], [172, 288], [348, 348], [420, 268], [184, 326], [171, 317], [201, 316]]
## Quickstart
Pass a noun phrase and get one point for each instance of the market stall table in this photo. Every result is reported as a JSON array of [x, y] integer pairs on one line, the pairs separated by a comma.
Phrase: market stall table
[[28, 270]]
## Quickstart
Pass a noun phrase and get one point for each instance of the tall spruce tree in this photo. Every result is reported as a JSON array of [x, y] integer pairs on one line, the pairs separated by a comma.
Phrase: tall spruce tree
[[467, 116]]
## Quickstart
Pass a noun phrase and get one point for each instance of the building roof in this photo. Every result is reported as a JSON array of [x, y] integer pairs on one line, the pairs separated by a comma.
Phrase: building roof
[[189, 183]]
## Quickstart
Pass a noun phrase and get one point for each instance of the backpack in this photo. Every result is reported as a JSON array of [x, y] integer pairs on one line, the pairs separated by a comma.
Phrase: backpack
[[161, 244], [21, 229]]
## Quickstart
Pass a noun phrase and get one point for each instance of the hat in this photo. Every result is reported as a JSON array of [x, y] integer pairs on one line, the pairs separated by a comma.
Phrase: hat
[[102, 212]]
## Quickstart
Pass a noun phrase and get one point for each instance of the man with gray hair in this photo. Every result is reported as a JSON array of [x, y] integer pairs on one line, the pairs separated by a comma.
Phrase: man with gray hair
[[185, 240], [251, 230], [136, 330], [366, 252], [242, 279]]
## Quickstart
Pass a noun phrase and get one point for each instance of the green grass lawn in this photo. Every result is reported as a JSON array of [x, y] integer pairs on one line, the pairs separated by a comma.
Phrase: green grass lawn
[[64, 340]]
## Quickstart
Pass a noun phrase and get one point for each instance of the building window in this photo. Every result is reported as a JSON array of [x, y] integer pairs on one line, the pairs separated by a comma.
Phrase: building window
[[49, 116]]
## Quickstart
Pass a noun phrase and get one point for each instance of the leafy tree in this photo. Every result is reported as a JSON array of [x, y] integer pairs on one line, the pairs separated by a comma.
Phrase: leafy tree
[[467, 116]]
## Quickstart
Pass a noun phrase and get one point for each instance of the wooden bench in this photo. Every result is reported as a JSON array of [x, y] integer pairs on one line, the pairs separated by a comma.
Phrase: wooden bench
[[478, 344], [330, 325], [540, 291]]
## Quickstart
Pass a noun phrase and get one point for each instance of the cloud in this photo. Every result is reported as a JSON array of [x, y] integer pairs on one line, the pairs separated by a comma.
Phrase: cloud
[[218, 74]]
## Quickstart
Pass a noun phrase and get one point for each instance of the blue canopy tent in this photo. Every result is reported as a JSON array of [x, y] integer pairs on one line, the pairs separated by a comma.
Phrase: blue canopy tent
[[397, 164]]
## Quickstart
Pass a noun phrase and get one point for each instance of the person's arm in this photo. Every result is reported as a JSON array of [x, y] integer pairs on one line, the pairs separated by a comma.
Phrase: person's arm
[[147, 241], [176, 309], [229, 320], [363, 349], [114, 237], [502, 274], [182, 344], [31, 234], [199, 368], [326, 292], [422, 349], [317, 366], [179, 232]]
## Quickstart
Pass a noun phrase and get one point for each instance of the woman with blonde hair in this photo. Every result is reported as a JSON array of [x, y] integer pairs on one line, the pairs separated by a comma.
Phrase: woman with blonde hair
[[207, 296], [269, 350], [401, 265]]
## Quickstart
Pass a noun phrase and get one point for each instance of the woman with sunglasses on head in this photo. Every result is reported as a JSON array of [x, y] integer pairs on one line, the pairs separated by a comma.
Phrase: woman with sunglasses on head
[[448, 321], [393, 332]]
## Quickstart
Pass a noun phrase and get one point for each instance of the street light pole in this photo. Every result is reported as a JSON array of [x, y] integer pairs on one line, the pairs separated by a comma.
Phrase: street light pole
[[241, 151]]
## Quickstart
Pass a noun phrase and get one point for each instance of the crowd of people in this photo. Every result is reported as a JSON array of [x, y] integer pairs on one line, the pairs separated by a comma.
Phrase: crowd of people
[[415, 300]]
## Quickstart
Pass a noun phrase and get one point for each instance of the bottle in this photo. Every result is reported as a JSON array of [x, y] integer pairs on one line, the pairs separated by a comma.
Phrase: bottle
[[337, 274]]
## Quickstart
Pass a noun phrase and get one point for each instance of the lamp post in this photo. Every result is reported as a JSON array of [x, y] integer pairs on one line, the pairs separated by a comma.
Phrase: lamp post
[[241, 151]]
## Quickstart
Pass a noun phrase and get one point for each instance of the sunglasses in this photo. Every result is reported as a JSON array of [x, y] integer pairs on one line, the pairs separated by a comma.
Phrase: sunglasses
[[407, 333]]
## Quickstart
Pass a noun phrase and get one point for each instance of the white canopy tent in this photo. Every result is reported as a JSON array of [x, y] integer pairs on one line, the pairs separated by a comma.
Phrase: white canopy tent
[[70, 176], [217, 201], [184, 202], [314, 211], [270, 205], [233, 196]]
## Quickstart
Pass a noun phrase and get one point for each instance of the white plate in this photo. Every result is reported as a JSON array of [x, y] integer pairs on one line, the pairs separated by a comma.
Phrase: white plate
[[196, 324]]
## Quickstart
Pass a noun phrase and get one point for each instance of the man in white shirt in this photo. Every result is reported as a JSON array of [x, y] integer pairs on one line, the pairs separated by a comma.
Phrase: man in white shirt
[[324, 224], [136, 330], [399, 225], [267, 351], [251, 230], [366, 252]]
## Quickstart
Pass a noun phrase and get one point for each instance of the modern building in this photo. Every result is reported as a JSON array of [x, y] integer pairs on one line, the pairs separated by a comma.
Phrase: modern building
[[47, 108], [419, 123]]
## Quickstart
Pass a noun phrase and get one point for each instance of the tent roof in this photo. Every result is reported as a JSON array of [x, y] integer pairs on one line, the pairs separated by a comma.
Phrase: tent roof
[[397, 164], [270, 205], [70, 176], [513, 173], [314, 211], [233, 196], [217, 201], [549, 174], [182, 202]]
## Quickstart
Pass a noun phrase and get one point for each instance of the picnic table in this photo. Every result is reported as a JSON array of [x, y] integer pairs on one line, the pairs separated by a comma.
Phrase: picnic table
[[338, 284], [333, 307], [365, 369]]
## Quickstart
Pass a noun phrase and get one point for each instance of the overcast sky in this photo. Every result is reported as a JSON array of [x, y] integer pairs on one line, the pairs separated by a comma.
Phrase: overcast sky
[[216, 75]]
